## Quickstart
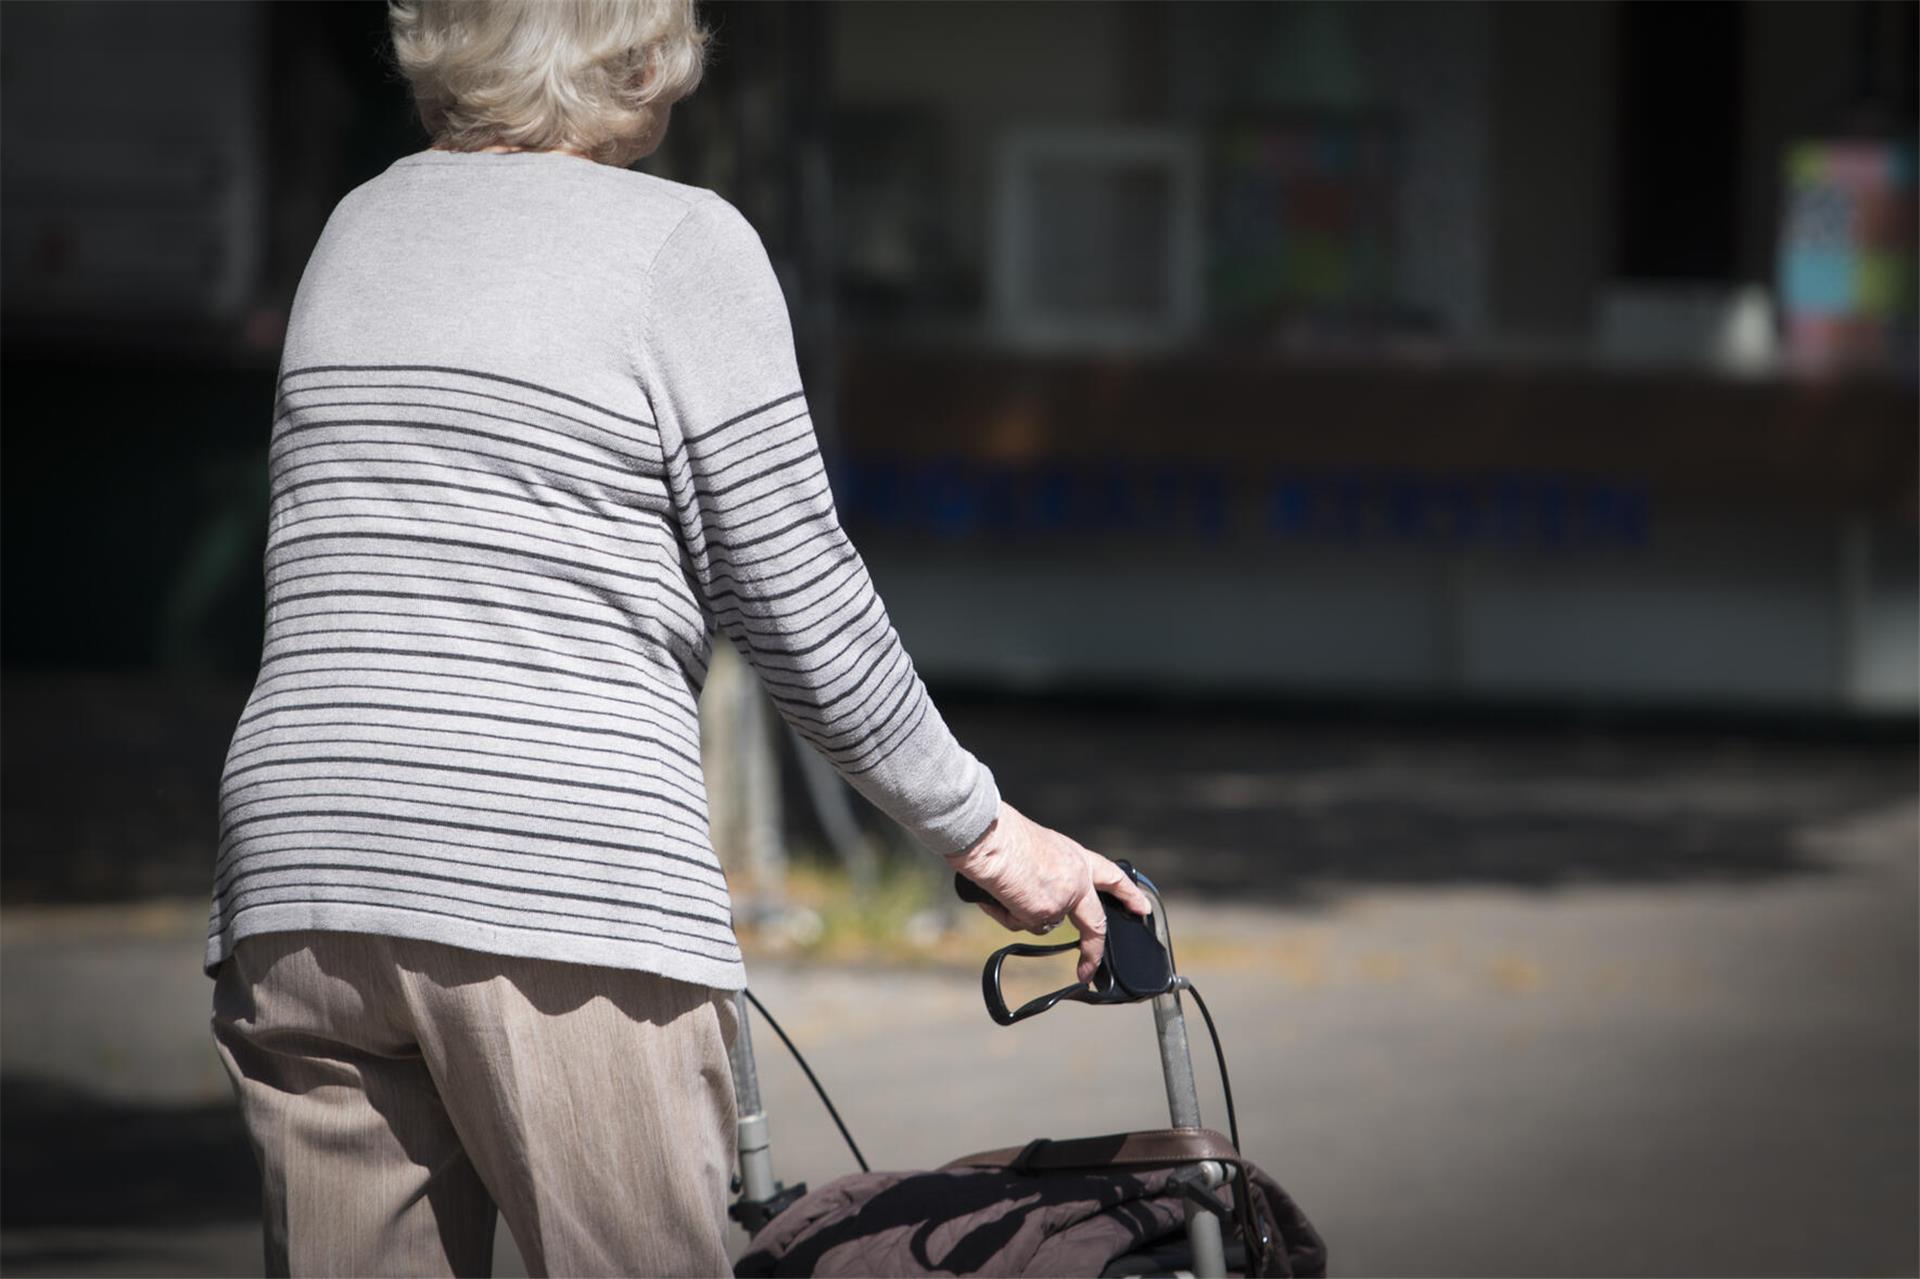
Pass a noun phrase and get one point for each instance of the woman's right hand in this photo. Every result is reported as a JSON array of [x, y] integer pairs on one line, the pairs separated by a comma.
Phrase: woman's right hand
[[1038, 877]]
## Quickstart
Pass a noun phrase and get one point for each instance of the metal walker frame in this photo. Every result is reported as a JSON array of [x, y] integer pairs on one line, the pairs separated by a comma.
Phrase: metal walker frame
[[762, 1196]]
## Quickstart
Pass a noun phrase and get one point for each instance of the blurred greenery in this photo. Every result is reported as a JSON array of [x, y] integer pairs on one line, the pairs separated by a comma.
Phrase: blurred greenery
[[907, 915], [910, 917]]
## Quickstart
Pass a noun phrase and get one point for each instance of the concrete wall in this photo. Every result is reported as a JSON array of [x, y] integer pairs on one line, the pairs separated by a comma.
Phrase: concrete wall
[[1713, 615]]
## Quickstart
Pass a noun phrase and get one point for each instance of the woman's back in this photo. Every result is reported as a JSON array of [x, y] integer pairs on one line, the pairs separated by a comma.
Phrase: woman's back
[[539, 433], [538, 430]]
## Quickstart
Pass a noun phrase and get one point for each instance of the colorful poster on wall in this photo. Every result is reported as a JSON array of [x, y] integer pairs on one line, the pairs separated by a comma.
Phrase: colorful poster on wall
[[1847, 260]]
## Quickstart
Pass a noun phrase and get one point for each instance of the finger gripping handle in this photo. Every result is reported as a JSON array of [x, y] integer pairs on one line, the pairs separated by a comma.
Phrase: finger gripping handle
[[1133, 964]]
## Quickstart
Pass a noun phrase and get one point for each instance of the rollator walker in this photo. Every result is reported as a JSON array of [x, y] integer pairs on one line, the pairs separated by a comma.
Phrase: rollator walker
[[1137, 967]]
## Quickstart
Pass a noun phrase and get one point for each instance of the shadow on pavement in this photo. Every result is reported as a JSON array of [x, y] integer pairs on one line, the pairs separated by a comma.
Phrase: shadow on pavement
[[1277, 808], [116, 799], [72, 1158]]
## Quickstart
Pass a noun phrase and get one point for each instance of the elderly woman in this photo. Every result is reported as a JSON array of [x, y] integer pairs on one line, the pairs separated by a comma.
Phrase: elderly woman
[[539, 432]]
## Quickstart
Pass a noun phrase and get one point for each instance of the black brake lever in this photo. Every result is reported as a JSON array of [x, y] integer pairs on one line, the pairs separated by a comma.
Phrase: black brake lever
[[997, 1002], [1134, 966]]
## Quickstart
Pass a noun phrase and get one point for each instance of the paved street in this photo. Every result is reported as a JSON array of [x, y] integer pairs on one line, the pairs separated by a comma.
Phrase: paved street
[[1680, 1040]]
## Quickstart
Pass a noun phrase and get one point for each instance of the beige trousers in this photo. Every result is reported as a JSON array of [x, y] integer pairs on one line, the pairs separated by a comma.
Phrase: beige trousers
[[396, 1091]]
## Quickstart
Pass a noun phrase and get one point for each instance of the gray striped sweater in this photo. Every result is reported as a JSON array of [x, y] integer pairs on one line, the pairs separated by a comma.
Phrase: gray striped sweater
[[539, 432]]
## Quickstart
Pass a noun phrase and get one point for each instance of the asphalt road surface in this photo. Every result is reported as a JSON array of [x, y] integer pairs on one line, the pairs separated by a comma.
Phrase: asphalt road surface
[[1534, 1003]]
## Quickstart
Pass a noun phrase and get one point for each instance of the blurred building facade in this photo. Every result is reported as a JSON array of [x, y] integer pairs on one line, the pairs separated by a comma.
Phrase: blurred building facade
[[1460, 352]]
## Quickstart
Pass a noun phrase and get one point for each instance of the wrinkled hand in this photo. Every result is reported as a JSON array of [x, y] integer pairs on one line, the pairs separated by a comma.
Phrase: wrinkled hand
[[1038, 877]]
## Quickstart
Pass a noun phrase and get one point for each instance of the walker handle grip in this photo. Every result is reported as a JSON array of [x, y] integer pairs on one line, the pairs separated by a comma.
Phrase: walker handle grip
[[970, 891], [1134, 966]]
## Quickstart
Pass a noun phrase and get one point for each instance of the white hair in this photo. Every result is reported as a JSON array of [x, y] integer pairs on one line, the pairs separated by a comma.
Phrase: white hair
[[594, 76]]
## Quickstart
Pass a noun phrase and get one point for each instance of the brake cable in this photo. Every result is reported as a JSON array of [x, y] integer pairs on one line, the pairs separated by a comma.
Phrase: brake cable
[[811, 1078]]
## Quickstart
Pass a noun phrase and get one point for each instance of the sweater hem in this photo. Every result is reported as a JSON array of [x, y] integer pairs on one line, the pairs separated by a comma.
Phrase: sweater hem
[[603, 952]]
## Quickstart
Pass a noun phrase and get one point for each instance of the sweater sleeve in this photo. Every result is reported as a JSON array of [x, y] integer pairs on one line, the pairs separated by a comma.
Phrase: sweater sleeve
[[764, 546]]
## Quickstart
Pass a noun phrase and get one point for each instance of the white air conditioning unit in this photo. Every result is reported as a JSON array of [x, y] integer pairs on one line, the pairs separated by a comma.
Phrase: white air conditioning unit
[[1096, 237]]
